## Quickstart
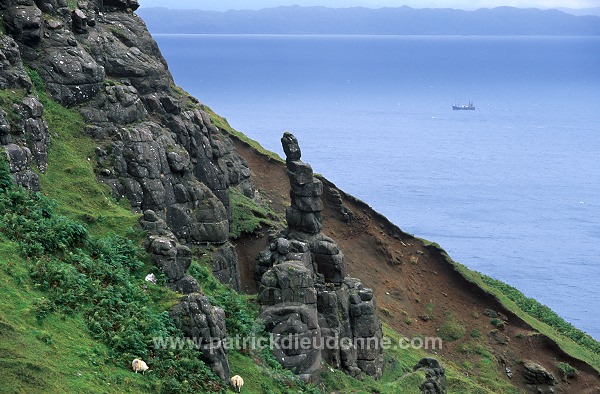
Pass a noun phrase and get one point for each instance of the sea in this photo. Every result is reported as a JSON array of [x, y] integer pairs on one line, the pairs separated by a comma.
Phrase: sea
[[511, 189]]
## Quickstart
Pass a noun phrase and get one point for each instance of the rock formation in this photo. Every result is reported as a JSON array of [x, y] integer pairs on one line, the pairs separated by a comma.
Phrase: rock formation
[[23, 132], [156, 146], [159, 149], [305, 293], [335, 198], [435, 376], [538, 378], [205, 325]]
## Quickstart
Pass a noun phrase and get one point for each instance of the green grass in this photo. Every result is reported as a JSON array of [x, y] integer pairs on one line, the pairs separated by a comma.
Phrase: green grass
[[543, 314], [70, 178], [399, 378], [567, 370], [247, 216], [452, 329], [241, 312], [56, 354], [95, 283]]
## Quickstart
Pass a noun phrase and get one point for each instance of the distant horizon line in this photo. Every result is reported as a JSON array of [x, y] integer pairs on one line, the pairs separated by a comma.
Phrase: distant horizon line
[[378, 35], [374, 8]]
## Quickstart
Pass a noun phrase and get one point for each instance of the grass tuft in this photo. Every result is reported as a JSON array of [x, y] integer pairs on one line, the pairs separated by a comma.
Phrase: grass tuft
[[247, 215]]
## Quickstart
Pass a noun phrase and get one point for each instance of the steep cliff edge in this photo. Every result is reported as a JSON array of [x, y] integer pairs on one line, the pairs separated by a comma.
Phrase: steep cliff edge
[[87, 74]]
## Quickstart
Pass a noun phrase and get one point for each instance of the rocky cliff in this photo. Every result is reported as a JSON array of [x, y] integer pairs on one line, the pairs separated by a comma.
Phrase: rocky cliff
[[157, 148]]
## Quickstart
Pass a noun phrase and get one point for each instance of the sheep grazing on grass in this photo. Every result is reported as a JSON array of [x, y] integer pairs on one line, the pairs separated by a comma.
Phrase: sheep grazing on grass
[[237, 382], [138, 365], [151, 278]]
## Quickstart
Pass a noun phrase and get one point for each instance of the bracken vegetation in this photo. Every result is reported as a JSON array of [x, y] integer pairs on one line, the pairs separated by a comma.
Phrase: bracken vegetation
[[99, 278]]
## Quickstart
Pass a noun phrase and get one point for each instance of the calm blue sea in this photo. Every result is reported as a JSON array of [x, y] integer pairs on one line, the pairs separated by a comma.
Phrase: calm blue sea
[[511, 189]]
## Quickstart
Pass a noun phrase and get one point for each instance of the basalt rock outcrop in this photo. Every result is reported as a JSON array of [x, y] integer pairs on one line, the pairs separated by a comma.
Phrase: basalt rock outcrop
[[156, 146], [335, 198], [435, 376], [24, 134], [205, 325], [167, 254], [538, 378], [313, 309]]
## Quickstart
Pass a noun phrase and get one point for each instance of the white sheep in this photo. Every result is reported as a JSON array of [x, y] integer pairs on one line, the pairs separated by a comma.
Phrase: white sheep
[[139, 365], [237, 382], [150, 278]]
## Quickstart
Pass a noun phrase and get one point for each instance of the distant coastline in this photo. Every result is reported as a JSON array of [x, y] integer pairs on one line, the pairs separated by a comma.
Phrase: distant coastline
[[403, 20]]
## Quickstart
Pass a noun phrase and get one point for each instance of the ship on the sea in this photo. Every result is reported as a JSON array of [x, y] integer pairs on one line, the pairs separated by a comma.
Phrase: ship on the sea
[[469, 106]]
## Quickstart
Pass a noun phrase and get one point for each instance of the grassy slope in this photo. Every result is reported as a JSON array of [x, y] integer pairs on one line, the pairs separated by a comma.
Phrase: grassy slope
[[565, 343], [70, 178], [55, 355]]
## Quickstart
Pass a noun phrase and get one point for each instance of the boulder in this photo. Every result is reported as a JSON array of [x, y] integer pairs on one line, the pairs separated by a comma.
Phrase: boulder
[[25, 23], [435, 376], [79, 21], [199, 320], [536, 374]]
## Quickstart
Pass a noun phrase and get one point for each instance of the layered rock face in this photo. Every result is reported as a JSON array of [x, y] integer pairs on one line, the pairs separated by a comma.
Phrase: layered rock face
[[313, 309], [156, 145], [537, 378]]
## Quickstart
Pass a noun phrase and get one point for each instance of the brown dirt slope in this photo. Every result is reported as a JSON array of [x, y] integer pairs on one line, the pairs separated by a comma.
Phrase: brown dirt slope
[[416, 285]]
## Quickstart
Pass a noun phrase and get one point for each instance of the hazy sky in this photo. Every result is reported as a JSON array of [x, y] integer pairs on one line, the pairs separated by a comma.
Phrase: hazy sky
[[222, 5]]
